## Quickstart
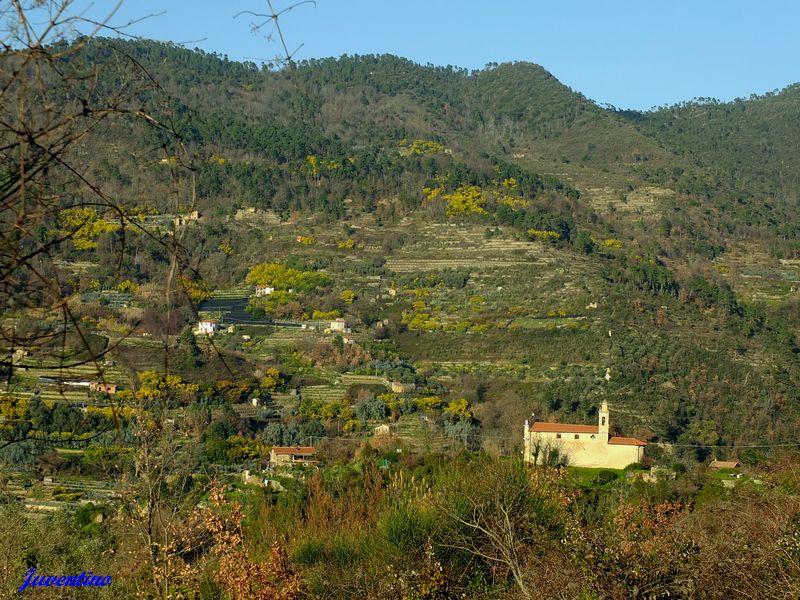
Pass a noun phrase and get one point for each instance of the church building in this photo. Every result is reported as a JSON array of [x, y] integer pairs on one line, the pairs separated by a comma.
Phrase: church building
[[580, 445]]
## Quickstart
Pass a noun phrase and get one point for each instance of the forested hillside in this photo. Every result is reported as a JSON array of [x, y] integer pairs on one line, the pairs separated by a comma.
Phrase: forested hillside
[[747, 146], [671, 223], [275, 333]]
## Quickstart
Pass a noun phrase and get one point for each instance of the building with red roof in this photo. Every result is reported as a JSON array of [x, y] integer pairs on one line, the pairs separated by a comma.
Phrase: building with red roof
[[581, 445], [292, 455]]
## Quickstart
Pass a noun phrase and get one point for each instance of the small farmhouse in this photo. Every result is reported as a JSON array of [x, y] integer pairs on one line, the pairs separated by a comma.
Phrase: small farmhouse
[[183, 220], [103, 388], [716, 465], [208, 326], [581, 445], [338, 325], [383, 429], [292, 455], [264, 290], [398, 387]]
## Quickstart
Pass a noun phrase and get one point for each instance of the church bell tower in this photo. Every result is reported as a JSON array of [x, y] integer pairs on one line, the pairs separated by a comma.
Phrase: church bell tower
[[603, 420]]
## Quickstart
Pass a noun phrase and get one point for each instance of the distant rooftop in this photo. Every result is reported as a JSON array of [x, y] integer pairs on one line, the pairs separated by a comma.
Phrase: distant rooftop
[[563, 428], [626, 441], [309, 450], [723, 464]]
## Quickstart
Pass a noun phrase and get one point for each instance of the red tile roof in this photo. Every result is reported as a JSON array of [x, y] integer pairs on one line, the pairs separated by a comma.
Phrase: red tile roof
[[294, 450], [723, 464], [563, 428], [541, 427], [623, 441]]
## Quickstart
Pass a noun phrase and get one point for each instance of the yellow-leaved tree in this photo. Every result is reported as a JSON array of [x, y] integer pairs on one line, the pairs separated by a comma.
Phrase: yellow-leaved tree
[[459, 407], [272, 380]]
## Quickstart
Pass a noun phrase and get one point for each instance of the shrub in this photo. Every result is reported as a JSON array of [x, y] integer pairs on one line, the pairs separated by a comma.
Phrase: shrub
[[68, 496], [309, 552], [605, 476], [406, 528], [343, 552], [679, 468]]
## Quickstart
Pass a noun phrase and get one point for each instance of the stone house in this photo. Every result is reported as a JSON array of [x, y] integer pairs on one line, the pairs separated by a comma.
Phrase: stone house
[[183, 220], [382, 430], [103, 388], [581, 445], [398, 387], [715, 464], [292, 455]]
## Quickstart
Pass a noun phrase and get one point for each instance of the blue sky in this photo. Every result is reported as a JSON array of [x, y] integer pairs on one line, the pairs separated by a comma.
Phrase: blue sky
[[629, 53]]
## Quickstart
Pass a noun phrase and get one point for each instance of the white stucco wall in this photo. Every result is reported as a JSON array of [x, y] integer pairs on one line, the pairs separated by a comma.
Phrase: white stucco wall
[[586, 451]]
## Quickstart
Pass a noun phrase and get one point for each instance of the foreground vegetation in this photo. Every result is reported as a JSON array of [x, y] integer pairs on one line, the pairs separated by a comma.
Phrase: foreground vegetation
[[428, 526]]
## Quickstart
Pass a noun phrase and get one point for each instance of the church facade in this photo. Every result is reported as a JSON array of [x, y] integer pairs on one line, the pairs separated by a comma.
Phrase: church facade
[[580, 445]]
